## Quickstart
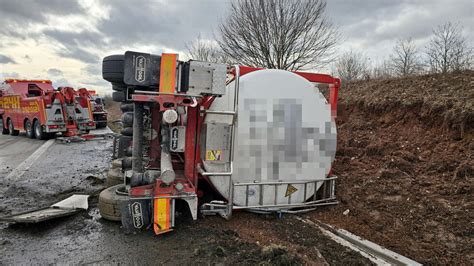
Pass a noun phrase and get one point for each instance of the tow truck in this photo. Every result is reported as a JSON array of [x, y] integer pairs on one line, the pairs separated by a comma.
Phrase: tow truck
[[37, 108], [98, 109], [31, 106]]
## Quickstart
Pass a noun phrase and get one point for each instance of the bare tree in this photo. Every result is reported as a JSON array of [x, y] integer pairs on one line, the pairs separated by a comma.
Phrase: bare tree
[[282, 34], [405, 58], [448, 49], [352, 65], [382, 70], [205, 50]]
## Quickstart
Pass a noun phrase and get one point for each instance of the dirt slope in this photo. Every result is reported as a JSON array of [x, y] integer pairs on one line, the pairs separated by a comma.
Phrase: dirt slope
[[406, 165]]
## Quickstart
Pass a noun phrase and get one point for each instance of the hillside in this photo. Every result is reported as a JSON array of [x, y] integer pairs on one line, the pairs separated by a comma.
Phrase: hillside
[[406, 165]]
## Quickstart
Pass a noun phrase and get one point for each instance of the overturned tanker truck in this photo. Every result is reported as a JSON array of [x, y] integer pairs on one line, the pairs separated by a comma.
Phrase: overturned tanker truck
[[216, 138]]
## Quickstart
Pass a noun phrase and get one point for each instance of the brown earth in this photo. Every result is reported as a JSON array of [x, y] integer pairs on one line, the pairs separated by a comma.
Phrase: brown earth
[[113, 114], [287, 239], [405, 163]]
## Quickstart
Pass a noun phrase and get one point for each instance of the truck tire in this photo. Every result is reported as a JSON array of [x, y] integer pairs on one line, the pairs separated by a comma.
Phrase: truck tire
[[126, 163], [5, 130], [39, 133], [127, 119], [118, 96], [12, 129], [109, 200], [118, 87], [127, 131], [126, 107], [112, 68], [114, 177], [29, 130]]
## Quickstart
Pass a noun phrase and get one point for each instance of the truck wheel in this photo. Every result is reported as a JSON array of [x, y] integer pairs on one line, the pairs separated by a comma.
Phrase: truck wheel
[[126, 107], [118, 96], [109, 203], [5, 130], [113, 68], [127, 119], [126, 163], [128, 131], [118, 87], [114, 177], [12, 129], [29, 130], [39, 133]]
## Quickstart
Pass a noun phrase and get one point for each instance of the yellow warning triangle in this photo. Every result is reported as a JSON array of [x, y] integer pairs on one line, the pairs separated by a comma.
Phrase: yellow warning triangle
[[290, 190]]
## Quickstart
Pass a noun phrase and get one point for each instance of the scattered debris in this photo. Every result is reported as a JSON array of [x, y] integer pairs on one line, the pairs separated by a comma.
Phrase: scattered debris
[[66, 207]]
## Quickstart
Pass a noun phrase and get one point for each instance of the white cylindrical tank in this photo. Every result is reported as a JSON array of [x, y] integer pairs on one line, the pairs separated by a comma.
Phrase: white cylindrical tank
[[284, 132]]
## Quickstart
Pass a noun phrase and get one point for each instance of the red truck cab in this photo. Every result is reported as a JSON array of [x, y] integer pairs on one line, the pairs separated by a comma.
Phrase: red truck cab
[[32, 106]]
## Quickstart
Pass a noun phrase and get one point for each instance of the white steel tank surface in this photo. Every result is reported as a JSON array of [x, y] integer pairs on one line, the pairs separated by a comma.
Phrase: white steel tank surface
[[284, 132]]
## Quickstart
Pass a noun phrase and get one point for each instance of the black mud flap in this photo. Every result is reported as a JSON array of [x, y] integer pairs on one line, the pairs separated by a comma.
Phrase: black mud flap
[[136, 214], [141, 69], [120, 146]]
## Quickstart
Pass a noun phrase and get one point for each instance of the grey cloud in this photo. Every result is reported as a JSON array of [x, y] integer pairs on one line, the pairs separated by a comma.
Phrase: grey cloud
[[92, 69], [62, 82], [28, 58], [373, 21], [79, 54], [373, 25], [9, 75], [153, 23], [35, 11], [98, 83], [70, 39], [54, 72], [72, 42], [6, 60]]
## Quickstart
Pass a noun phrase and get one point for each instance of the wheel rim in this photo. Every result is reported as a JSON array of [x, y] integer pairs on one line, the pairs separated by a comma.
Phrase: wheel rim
[[10, 126], [28, 127], [37, 130]]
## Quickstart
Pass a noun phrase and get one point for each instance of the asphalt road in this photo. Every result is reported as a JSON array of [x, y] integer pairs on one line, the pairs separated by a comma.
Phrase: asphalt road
[[45, 172], [14, 150]]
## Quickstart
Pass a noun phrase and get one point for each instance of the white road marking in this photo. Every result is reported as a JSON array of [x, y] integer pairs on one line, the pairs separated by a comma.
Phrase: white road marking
[[28, 162], [374, 252]]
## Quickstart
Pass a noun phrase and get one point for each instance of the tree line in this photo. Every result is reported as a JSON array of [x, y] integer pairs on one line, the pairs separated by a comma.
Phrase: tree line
[[447, 51], [296, 35]]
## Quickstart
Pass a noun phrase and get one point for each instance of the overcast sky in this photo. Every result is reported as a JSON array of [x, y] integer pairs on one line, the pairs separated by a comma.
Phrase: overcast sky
[[65, 40]]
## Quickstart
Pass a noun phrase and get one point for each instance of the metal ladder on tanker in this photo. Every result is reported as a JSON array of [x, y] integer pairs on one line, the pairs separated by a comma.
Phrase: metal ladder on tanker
[[326, 197]]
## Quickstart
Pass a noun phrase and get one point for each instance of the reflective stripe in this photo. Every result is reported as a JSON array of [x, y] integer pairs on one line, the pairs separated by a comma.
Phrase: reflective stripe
[[161, 215], [168, 73]]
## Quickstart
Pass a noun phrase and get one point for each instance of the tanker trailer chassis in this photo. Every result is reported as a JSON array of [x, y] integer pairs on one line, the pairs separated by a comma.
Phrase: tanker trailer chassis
[[182, 138]]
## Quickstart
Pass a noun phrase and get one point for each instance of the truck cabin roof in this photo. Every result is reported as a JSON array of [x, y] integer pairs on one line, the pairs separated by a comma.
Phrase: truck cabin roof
[[28, 88]]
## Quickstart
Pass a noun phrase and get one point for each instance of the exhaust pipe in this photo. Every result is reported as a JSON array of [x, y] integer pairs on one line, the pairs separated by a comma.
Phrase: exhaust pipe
[[167, 172]]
